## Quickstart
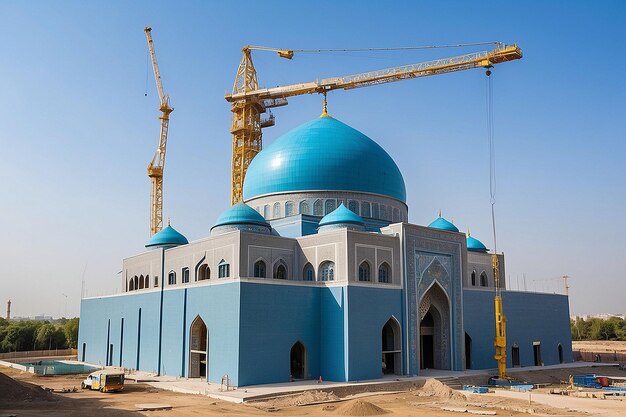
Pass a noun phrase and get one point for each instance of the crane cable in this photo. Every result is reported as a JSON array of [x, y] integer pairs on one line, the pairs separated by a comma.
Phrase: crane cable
[[492, 156]]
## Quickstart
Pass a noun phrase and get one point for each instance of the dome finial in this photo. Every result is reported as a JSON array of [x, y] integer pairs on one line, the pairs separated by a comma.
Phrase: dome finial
[[168, 221], [468, 232], [439, 212], [325, 108]]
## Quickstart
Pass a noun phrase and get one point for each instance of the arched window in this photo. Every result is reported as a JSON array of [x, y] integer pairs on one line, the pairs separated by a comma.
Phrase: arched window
[[375, 214], [185, 275], [366, 209], [384, 273], [304, 207], [330, 206], [327, 271], [280, 270], [289, 208], [259, 269], [141, 282], [560, 349], [383, 212], [147, 282], [266, 211], [131, 285], [353, 206], [204, 272], [473, 278], [318, 208], [308, 274], [136, 282], [364, 271], [276, 211], [223, 269], [483, 279], [171, 278]]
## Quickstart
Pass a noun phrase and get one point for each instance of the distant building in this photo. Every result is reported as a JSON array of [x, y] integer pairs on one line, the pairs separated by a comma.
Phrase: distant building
[[604, 316], [317, 273]]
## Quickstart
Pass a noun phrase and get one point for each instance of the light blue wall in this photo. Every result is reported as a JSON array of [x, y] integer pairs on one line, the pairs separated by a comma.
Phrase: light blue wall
[[332, 334], [369, 309], [273, 319], [217, 305], [530, 317]]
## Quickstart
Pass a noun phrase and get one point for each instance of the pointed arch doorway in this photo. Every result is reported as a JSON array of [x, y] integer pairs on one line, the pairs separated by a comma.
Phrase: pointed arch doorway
[[391, 348], [198, 349], [297, 360], [434, 329]]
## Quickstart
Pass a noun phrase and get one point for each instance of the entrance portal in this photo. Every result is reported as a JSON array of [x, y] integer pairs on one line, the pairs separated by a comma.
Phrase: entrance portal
[[391, 348], [297, 359], [198, 349], [434, 330]]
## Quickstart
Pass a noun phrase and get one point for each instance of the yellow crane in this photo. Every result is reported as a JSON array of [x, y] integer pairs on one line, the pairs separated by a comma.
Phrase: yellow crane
[[249, 101], [156, 165]]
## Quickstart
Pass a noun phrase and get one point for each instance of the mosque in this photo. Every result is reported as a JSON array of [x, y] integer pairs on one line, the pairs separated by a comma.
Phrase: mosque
[[318, 273]]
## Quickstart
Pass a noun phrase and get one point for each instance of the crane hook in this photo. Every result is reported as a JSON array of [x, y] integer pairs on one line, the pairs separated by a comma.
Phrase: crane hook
[[488, 72]]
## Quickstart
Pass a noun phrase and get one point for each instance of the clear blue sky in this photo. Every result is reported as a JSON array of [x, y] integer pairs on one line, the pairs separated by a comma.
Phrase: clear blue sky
[[77, 131]]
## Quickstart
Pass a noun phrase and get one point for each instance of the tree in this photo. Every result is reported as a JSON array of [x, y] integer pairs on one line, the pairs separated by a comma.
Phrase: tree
[[70, 329], [602, 330], [50, 337]]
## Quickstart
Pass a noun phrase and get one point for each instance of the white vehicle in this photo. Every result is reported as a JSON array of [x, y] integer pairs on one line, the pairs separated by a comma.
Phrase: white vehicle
[[104, 380]]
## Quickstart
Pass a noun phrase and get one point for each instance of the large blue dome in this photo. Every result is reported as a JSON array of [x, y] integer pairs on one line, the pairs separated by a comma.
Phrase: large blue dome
[[323, 155]]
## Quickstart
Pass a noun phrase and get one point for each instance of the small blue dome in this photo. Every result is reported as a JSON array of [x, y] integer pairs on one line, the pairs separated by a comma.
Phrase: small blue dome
[[240, 213], [475, 245], [443, 224], [341, 215], [323, 155], [168, 236]]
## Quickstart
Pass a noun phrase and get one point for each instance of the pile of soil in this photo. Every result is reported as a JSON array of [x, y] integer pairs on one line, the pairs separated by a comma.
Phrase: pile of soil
[[12, 391], [307, 397], [360, 408], [435, 388]]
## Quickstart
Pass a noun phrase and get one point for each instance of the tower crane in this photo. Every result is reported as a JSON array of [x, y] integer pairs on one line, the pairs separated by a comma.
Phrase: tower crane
[[249, 101], [156, 165]]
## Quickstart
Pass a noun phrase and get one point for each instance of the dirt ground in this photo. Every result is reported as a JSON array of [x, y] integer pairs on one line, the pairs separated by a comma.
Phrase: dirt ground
[[425, 401], [600, 346]]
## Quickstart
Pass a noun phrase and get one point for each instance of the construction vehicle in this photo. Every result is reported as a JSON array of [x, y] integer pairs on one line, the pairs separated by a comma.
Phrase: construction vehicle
[[105, 380], [249, 101], [156, 165]]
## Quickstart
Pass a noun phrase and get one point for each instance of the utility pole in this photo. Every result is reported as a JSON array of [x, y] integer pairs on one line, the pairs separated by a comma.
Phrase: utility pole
[[565, 278]]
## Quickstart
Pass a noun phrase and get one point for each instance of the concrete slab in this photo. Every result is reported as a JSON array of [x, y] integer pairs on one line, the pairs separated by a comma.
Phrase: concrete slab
[[260, 392], [152, 407]]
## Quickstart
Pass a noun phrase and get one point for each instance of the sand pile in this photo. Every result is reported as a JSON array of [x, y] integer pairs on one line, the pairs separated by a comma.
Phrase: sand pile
[[307, 397], [12, 391], [360, 408], [435, 388]]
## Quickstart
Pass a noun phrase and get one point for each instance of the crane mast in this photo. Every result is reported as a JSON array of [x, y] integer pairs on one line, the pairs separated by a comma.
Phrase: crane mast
[[249, 101], [157, 164]]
